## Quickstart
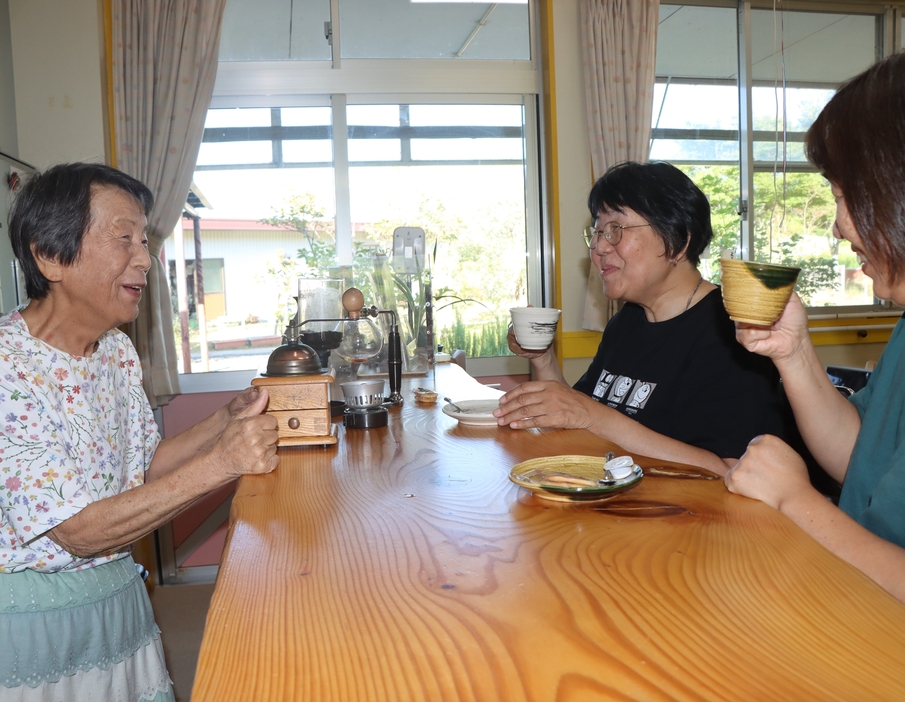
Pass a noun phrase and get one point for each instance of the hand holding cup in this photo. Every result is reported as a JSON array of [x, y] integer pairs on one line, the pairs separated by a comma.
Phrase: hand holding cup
[[534, 327], [756, 293]]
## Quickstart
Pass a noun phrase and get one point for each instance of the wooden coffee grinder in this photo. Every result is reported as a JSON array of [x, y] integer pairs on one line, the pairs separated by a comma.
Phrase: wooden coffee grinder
[[299, 388], [299, 391]]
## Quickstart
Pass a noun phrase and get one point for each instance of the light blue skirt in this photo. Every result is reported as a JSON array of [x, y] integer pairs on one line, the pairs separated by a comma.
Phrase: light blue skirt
[[83, 635]]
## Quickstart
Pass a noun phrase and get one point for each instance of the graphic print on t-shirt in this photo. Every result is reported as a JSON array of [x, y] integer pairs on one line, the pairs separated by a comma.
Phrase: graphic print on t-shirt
[[616, 390], [602, 384], [620, 389], [640, 395]]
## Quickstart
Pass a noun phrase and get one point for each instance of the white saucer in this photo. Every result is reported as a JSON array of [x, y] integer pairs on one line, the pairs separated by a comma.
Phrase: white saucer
[[474, 412]]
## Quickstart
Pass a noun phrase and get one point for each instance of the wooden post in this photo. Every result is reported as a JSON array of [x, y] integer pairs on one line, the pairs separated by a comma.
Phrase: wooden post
[[182, 297], [199, 296]]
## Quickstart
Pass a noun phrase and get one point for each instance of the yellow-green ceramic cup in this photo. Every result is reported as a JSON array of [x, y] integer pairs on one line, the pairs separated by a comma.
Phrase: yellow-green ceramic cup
[[756, 293]]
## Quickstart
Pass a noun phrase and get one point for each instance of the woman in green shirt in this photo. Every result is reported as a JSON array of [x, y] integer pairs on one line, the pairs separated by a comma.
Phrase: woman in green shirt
[[858, 142]]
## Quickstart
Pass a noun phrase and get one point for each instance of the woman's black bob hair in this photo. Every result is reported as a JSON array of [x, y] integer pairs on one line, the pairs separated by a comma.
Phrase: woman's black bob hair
[[672, 204], [52, 212]]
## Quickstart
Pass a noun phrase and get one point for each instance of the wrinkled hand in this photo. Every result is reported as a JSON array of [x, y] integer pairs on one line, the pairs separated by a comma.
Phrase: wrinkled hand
[[769, 471], [248, 444], [243, 400], [784, 339], [544, 404], [524, 353]]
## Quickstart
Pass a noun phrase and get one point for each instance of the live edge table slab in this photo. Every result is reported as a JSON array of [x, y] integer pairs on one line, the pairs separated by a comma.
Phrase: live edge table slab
[[402, 564]]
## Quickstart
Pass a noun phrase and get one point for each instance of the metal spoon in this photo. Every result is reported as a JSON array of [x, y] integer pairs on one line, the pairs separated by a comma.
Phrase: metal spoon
[[455, 406]]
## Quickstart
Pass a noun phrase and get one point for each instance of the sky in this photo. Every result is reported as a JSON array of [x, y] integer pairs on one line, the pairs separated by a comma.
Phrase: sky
[[252, 194]]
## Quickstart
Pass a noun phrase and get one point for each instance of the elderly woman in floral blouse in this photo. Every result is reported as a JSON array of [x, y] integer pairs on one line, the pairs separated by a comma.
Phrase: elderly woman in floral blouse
[[83, 473]]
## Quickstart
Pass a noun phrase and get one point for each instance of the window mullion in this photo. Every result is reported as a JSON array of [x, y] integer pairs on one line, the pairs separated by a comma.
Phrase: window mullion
[[405, 140], [886, 34], [341, 181], [745, 135], [541, 282], [276, 121], [894, 17], [335, 34]]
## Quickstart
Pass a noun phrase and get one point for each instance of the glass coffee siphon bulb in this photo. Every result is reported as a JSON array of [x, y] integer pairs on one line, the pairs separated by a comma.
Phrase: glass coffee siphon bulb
[[362, 340]]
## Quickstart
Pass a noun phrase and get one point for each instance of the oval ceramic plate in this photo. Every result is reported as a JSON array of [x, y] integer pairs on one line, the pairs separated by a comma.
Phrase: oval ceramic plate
[[475, 412], [571, 478]]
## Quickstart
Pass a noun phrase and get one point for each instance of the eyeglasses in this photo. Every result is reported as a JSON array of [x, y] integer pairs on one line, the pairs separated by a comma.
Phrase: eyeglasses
[[610, 231]]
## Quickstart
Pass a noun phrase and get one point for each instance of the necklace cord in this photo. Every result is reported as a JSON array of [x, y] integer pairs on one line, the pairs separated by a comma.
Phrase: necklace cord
[[691, 297]]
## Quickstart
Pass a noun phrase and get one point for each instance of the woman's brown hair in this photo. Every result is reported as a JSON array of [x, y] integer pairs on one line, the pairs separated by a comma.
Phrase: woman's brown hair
[[858, 143]]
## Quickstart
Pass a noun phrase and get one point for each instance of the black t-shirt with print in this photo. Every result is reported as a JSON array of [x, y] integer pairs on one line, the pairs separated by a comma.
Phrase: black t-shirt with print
[[687, 378]]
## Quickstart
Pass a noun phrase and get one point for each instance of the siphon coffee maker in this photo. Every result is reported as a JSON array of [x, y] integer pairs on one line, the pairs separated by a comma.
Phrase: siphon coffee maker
[[360, 341], [320, 298]]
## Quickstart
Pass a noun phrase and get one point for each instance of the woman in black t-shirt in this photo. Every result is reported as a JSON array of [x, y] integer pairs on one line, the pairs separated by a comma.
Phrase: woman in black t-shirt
[[669, 379]]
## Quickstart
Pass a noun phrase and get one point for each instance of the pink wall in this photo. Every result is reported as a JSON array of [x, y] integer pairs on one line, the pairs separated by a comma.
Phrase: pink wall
[[182, 413]]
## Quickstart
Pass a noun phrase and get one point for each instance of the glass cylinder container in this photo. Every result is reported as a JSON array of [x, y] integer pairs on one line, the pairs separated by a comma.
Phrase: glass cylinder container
[[320, 298]]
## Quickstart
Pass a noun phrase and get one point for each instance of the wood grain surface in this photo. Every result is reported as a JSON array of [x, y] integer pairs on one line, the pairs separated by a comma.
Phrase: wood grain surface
[[402, 564]]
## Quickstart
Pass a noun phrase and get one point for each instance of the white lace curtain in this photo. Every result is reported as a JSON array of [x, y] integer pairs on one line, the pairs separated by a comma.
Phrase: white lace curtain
[[164, 64], [619, 47]]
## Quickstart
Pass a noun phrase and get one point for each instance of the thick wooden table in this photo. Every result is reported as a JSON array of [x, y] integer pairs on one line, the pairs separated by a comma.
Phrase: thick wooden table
[[401, 564]]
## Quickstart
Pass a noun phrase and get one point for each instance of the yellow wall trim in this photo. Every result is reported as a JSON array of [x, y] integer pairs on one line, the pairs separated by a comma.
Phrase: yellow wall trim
[[108, 62], [551, 150], [583, 344], [580, 344], [865, 322], [867, 333], [850, 337]]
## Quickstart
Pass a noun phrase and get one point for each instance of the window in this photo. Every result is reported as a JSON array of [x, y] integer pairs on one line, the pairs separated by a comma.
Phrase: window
[[275, 30], [309, 181], [798, 59], [459, 175], [434, 30], [303, 30]]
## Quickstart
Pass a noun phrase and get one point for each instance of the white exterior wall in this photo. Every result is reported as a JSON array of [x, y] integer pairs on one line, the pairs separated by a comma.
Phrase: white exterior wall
[[248, 289]]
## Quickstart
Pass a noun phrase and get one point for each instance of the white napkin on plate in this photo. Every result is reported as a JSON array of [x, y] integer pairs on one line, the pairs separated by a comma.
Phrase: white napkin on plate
[[620, 467]]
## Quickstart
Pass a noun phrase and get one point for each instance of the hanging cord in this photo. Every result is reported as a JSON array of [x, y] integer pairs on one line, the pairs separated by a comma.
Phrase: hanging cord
[[481, 23], [291, 9], [650, 145], [780, 127], [785, 114]]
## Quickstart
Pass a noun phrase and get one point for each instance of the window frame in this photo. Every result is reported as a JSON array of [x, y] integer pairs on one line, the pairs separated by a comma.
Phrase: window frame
[[343, 82], [889, 19]]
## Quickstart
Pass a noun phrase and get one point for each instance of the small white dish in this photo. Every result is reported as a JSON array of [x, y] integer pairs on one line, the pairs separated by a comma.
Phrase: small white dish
[[473, 412]]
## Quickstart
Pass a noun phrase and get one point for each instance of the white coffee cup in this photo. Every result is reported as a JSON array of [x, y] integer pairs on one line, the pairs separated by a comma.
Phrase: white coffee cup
[[534, 327]]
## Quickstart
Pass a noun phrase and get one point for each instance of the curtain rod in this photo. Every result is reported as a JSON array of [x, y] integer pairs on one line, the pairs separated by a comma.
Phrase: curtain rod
[[16, 162]]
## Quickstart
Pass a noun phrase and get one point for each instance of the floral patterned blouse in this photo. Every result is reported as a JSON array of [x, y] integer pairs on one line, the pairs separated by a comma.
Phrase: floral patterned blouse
[[74, 430]]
